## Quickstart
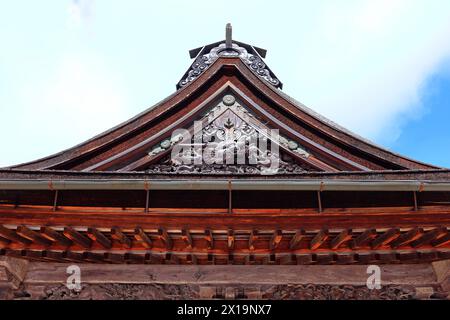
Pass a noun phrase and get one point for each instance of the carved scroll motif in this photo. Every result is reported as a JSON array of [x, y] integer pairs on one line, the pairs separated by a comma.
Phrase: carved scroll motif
[[253, 61], [232, 141]]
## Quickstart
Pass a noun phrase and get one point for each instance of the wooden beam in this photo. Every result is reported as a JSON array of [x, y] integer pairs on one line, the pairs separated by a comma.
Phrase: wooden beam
[[442, 241], [319, 201], [363, 238], [296, 239], [249, 259], [407, 237], [342, 237], [12, 236], [55, 236], [191, 259], [251, 240], [55, 201], [385, 238], [319, 239], [211, 258], [171, 258], [141, 236], [165, 237], [117, 234], [209, 239], [230, 239], [187, 238], [53, 255], [230, 258], [77, 237], [134, 258], [429, 236], [114, 257], [93, 257], [276, 239], [34, 236], [305, 258], [99, 237], [72, 256]]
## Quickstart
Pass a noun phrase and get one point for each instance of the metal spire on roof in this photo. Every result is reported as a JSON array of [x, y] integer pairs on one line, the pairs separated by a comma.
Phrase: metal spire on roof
[[228, 36]]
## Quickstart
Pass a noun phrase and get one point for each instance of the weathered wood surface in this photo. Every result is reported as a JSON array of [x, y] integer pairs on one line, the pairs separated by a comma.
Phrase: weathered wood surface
[[419, 274]]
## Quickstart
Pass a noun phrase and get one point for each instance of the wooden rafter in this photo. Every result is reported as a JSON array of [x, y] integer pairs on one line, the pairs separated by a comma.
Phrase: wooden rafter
[[364, 238], [296, 239], [55, 236], [428, 237], [252, 238], [385, 238], [407, 237], [34, 236], [12, 236], [209, 239], [99, 237], [142, 237], [117, 234], [275, 239], [77, 237], [165, 237], [187, 238], [341, 238], [442, 241], [319, 239]]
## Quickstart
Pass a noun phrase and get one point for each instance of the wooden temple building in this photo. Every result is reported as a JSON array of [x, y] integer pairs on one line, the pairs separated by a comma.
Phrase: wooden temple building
[[142, 224]]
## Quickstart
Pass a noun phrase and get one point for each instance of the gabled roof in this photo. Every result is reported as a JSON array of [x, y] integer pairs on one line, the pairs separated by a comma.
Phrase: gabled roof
[[237, 71]]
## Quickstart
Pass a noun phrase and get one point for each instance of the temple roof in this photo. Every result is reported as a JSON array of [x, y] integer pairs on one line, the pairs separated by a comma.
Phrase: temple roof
[[229, 88]]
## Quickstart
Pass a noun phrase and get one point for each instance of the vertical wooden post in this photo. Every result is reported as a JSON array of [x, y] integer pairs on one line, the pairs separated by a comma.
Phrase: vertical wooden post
[[319, 201], [147, 200], [55, 201]]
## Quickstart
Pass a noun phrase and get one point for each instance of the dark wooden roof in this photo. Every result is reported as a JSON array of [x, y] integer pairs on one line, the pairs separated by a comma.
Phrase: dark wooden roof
[[331, 149]]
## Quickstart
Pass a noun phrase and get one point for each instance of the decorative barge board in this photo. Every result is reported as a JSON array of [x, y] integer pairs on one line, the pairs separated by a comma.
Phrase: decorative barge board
[[228, 171]]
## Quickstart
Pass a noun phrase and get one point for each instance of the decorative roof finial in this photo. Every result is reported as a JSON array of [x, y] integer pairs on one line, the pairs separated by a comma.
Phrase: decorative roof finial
[[228, 35]]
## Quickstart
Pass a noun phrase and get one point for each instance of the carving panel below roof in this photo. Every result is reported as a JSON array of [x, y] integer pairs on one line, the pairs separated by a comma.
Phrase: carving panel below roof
[[231, 140]]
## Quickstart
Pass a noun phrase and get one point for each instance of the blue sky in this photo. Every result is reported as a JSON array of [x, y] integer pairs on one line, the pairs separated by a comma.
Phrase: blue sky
[[71, 69]]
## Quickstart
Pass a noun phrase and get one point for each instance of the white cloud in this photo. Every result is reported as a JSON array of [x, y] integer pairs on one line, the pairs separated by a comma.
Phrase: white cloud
[[80, 12], [368, 60]]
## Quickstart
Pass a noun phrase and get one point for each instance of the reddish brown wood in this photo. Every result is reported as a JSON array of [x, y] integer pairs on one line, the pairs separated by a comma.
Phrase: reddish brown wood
[[230, 237], [296, 239], [99, 237], [77, 237], [165, 237], [209, 239], [407, 237], [34, 236], [143, 238], [117, 234], [442, 241], [252, 238], [319, 239], [428, 237], [12, 236], [275, 240], [341, 238], [55, 236], [385, 238], [364, 238], [187, 238]]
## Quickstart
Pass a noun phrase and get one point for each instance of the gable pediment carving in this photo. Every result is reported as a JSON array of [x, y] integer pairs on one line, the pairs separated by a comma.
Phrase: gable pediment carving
[[228, 139]]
